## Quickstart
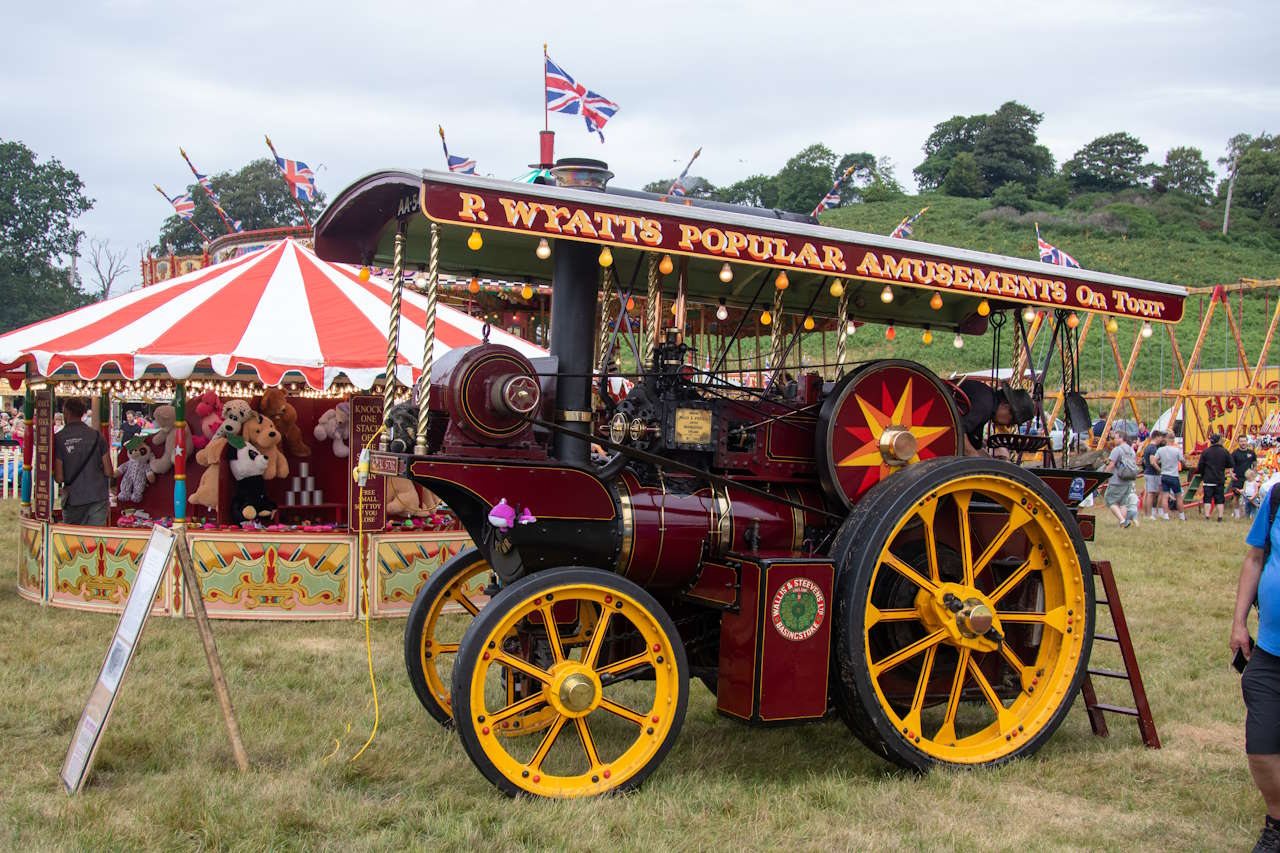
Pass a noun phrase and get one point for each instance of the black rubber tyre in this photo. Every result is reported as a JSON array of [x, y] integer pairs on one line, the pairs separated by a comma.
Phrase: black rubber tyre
[[511, 598], [430, 599], [856, 553]]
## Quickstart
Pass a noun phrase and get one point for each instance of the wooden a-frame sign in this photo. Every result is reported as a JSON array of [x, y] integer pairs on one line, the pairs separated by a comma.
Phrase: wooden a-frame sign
[[102, 698]]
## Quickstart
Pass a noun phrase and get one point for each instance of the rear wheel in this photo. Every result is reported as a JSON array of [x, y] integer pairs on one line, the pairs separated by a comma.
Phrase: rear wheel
[[965, 614], [605, 663]]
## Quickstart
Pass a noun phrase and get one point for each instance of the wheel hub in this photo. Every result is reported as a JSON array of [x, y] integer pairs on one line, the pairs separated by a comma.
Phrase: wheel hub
[[898, 445], [574, 690], [964, 613]]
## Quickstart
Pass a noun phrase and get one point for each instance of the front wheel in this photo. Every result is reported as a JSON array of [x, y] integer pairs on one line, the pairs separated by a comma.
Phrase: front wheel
[[964, 614], [605, 663]]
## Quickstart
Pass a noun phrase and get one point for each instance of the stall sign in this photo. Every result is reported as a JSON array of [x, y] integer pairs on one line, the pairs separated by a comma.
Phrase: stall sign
[[102, 698], [675, 233], [367, 507], [42, 456], [1219, 397]]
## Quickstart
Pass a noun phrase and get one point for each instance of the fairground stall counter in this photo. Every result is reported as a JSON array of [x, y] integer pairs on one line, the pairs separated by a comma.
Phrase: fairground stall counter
[[301, 343]]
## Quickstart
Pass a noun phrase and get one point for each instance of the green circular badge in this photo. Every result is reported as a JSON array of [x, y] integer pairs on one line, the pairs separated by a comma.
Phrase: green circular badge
[[798, 609]]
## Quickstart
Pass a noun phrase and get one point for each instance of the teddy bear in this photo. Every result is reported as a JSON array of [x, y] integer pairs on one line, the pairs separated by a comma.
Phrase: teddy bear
[[208, 409], [261, 432], [273, 404], [234, 414], [335, 424], [403, 498], [164, 441], [135, 474], [248, 467], [210, 456], [402, 425]]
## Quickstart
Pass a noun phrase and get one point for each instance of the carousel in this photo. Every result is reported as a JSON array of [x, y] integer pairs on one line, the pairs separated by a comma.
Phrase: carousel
[[275, 351]]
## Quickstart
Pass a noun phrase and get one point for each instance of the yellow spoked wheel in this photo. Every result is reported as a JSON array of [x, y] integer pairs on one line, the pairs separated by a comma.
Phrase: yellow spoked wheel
[[441, 612], [965, 614], [608, 668]]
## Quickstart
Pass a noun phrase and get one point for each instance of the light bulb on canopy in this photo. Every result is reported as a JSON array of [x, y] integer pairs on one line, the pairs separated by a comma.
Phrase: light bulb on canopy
[[722, 312], [886, 296], [544, 249], [958, 343], [726, 273], [475, 241], [837, 288]]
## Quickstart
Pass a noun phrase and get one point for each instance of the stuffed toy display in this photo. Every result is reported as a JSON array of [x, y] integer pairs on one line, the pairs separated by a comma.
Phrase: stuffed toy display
[[248, 467], [135, 474], [164, 440], [261, 432], [234, 414], [208, 409], [403, 498], [335, 425], [402, 426], [273, 404]]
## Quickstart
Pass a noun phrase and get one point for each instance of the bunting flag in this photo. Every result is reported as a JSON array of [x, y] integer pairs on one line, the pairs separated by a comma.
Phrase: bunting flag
[[462, 165], [1051, 254], [832, 198], [677, 186], [904, 229], [566, 96]]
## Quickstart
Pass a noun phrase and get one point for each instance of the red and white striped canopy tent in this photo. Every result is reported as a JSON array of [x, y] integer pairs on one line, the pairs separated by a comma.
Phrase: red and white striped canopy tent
[[280, 310]]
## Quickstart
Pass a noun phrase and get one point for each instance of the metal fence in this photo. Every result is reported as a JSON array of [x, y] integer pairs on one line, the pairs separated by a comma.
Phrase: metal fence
[[10, 473]]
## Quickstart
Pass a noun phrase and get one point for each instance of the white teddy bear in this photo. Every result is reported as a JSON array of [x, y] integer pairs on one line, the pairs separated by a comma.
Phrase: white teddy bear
[[335, 425]]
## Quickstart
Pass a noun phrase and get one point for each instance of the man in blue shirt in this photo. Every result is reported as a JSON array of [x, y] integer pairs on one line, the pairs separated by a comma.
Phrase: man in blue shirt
[[1261, 682]]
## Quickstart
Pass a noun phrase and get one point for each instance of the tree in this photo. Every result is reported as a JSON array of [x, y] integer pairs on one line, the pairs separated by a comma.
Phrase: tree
[[963, 179], [755, 190], [108, 265], [694, 187], [1186, 171], [956, 135], [805, 179], [1006, 149], [1109, 163], [38, 203], [257, 195], [883, 185], [1011, 194], [1257, 174]]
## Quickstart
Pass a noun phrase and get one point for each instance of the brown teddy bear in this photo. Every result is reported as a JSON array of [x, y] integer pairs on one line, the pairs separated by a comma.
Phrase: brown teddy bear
[[273, 404], [210, 456], [261, 432]]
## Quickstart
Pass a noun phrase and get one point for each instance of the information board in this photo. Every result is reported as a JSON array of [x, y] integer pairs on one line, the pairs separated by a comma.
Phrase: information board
[[42, 456], [367, 505], [88, 733]]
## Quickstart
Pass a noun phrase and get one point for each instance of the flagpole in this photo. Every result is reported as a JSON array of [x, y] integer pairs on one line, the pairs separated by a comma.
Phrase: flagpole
[[292, 195], [546, 122], [840, 180], [207, 191], [687, 167], [445, 146], [188, 221]]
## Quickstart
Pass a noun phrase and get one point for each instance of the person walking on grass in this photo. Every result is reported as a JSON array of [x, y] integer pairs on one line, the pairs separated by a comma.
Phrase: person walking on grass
[[1214, 465], [1170, 461], [1260, 583], [1122, 463], [1150, 473]]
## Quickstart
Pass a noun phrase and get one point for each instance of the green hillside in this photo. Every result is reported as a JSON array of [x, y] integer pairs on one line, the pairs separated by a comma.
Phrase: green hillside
[[1167, 238]]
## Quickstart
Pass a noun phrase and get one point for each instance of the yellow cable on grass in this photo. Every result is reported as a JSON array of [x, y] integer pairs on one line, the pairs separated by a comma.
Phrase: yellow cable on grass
[[364, 596]]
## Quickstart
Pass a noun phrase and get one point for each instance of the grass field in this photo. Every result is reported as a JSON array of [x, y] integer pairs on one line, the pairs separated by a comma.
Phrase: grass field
[[164, 776]]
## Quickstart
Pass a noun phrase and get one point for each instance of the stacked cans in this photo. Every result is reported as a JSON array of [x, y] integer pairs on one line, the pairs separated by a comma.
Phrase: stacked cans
[[302, 488]]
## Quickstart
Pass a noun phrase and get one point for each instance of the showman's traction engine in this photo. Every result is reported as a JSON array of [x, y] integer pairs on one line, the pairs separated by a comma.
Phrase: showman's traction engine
[[802, 546]]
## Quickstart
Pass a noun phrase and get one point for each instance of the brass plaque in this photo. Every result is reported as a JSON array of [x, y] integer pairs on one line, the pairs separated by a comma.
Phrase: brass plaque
[[693, 426]]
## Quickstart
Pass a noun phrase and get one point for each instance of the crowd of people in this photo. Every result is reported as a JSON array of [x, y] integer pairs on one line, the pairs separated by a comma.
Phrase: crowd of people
[[1147, 477]]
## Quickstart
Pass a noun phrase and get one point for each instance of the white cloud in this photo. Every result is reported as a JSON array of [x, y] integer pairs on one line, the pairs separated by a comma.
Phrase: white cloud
[[112, 89]]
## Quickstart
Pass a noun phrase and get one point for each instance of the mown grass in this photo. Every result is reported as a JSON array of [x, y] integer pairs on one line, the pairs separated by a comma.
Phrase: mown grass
[[164, 777]]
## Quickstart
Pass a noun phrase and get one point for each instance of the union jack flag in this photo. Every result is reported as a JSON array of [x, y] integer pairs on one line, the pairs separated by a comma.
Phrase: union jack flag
[[301, 180], [677, 186], [566, 96], [832, 198], [205, 182], [904, 228], [465, 165], [183, 205], [1051, 254]]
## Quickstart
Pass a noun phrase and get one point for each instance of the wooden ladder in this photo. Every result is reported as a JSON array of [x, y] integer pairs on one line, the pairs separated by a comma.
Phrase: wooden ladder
[[1140, 710]]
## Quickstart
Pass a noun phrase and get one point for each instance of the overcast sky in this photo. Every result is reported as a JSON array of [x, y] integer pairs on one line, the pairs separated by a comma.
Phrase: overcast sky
[[113, 88]]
